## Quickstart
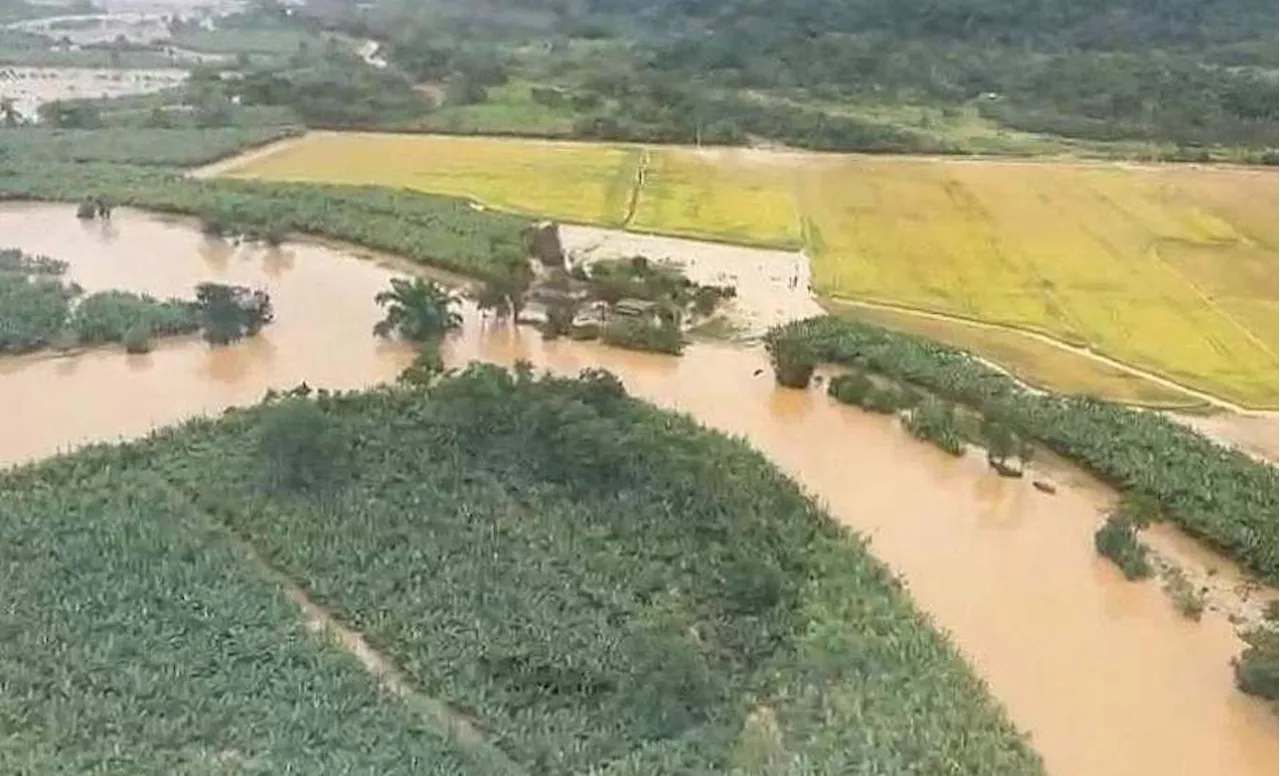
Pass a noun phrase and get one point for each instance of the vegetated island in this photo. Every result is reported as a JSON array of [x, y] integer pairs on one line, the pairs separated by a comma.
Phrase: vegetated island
[[1163, 469], [558, 577], [39, 310], [635, 302]]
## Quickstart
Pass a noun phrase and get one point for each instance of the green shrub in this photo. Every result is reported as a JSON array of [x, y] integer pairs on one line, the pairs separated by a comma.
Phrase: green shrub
[[859, 390], [850, 388], [106, 316]]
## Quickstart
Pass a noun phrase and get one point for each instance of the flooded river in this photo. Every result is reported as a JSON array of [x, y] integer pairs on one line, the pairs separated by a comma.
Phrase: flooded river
[[1105, 675]]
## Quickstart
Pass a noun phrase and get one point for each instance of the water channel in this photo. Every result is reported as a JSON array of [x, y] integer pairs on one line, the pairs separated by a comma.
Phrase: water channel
[[1104, 674]]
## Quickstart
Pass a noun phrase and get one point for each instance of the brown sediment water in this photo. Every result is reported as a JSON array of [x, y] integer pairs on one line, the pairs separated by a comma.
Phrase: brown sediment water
[[1104, 674]]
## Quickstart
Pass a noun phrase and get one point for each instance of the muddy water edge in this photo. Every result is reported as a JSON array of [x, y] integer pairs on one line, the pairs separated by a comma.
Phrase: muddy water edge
[[1103, 673]]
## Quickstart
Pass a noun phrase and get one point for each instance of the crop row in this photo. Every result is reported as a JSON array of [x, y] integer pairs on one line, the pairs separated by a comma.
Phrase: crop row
[[599, 585], [136, 641]]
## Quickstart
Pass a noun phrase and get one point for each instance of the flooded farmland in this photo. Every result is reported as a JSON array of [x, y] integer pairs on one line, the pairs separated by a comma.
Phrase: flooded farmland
[[1104, 674], [31, 87]]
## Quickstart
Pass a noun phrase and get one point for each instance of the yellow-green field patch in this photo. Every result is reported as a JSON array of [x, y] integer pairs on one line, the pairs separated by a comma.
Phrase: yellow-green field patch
[[1126, 261], [731, 195], [576, 182]]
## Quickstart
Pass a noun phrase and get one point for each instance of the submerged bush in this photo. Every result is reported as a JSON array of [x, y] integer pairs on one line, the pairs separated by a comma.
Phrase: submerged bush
[[1258, 667], [936, 422], [859, 390], [1187, 598], [595, 581], [1117, 539], [39, 309], [137, 339], [107, 316], [229, 313], [793, 361], [635, 334]]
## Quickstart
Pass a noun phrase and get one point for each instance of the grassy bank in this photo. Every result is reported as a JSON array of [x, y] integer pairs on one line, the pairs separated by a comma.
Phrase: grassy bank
[[596, 584], [439, 231]]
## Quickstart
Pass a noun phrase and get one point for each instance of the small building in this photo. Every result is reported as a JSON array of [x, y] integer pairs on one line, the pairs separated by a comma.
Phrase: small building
[[542, 241]]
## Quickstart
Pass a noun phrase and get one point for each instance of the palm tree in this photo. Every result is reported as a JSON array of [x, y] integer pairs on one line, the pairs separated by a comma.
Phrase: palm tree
[[417, 310]]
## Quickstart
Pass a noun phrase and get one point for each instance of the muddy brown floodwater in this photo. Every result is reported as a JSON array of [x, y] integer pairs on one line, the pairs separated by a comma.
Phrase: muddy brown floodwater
[[1104, 674]]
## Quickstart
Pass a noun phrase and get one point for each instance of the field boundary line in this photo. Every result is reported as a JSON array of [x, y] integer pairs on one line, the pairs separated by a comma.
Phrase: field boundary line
[[230, 164], [637, 186], [1085, 352], [437, 714]]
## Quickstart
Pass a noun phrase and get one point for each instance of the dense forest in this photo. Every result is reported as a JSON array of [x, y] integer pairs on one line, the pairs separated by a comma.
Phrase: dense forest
[[1172, 80], [581, 582], [866, 74]]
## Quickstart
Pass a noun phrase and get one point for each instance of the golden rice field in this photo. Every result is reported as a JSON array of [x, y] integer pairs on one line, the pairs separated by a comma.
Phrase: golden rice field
[[721, 194], [1169, 269], [1172, 269], [566, 181]]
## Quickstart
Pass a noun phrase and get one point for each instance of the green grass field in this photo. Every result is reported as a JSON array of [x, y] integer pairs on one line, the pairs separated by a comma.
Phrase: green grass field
[[569, 181]]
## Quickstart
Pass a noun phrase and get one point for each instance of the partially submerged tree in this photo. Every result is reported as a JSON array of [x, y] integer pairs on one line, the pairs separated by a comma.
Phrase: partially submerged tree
[[1003, 443], [417, 310], [95, 206], [504, 293], [426, 367], [560, 316], [229, 313]]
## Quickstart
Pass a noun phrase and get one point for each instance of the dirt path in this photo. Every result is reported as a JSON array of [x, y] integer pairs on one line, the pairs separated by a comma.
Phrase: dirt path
[[1085, 352], [436, 714], [233, 163]]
